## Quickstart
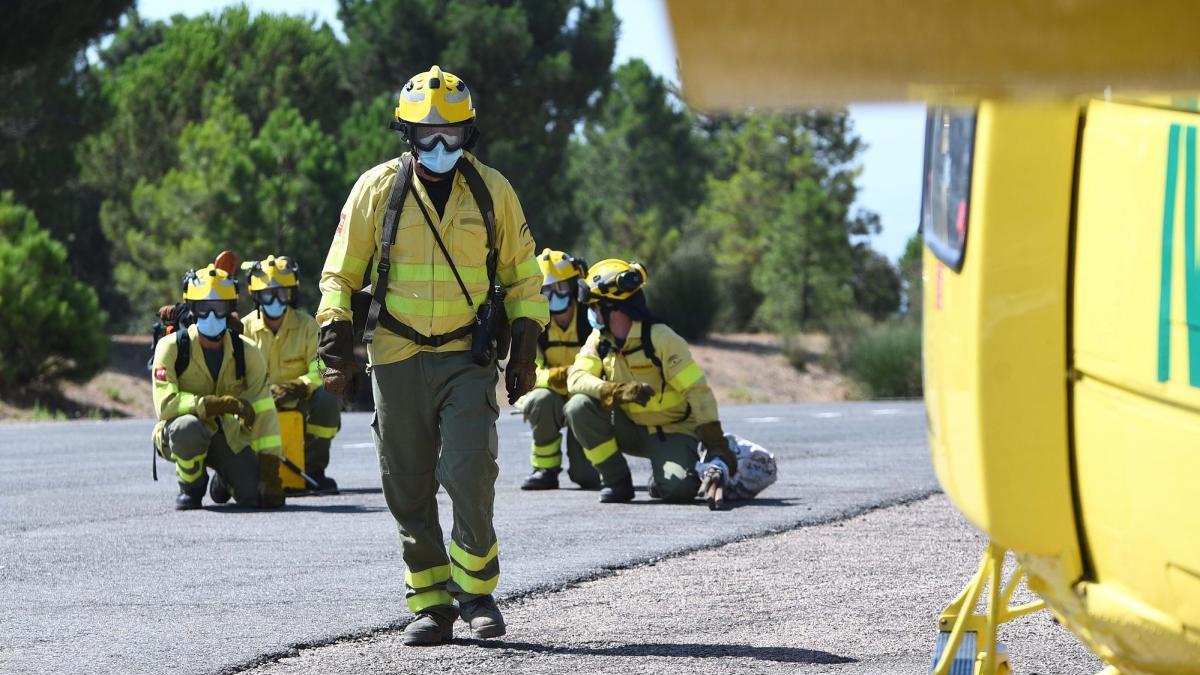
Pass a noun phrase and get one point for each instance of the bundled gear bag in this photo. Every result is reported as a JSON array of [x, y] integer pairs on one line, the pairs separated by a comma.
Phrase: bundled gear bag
[[756, 469]]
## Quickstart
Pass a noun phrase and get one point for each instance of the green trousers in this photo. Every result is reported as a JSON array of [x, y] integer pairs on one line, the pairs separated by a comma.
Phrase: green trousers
[[193, 448], [435, 424], [322, 420], [544, 411], [607, 436]]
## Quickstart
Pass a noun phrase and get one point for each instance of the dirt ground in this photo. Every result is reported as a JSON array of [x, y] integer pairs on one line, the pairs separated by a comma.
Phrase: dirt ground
[[831, 599], [741, 368]]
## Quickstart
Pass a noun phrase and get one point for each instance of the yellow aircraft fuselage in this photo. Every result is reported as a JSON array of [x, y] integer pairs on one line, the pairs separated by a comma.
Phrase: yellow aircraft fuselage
[[1062, 360]]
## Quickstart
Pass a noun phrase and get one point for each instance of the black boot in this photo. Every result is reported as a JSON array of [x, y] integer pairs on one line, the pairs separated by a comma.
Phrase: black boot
[[325, 484], [189, 498], [541, 479], [218, 491], [428, 629], [621, 491], [483, 616]]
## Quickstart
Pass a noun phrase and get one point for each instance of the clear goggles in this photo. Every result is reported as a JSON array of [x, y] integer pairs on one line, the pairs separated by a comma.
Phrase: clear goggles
[[202, 308], [557, 288], [265, 296], [453, 137]]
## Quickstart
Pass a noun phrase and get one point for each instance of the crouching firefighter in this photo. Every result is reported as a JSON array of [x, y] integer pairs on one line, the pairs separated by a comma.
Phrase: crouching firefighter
[[287, 338], [214, 404], [455, 264], [636, 390], [558, 346]]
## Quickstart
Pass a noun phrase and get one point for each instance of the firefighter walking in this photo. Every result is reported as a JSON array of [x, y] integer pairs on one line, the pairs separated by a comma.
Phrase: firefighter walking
[[444, 243]]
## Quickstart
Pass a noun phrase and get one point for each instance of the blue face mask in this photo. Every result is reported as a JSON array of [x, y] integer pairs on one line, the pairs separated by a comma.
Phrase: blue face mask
[[211, 326], [595, 320], [275, 308], [559, 303], [439, 159]]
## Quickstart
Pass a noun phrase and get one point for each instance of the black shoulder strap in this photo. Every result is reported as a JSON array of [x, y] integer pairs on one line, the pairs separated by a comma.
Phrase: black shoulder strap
[[483, 199], [239, 354], [390, 220], [583, 328], [183, 351], [544, 339]]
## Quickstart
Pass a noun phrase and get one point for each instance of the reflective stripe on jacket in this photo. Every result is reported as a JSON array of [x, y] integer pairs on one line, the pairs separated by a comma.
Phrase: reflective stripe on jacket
[[176, 394], [684, 386], [292, 352], [556, 356], [422, 291]]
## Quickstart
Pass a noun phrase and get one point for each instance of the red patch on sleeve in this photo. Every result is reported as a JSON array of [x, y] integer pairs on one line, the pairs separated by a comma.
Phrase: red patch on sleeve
[[341, 225], [160, 374]]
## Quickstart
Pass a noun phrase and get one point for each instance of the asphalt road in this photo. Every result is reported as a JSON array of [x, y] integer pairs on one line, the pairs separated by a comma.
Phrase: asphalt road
[[101, 575]]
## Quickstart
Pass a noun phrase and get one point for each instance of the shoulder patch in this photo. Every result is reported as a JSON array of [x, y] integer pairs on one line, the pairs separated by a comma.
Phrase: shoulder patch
[[341, 226], [160, 374]]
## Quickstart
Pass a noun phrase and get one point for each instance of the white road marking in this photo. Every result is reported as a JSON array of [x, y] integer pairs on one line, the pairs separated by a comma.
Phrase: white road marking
[[763, 420], [885, 411], [827, 415], [358, 445]]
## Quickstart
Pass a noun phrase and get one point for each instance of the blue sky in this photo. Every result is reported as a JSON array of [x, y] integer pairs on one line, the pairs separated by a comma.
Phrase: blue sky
[[891, 179]]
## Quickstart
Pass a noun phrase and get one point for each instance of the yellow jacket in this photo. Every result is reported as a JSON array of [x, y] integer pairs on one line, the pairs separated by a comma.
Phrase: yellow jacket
[[292, 352], [422, 291], [176, 394], [555, 356], [680, 403]]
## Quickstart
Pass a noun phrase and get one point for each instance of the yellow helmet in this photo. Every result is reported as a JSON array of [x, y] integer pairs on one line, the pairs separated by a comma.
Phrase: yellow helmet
[[558, 266], [612, 279], [210, 283], [435, 97], [274, 272]]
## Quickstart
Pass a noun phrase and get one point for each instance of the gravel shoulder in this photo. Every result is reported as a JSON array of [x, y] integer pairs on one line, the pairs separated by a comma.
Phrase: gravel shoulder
[[858, 596]]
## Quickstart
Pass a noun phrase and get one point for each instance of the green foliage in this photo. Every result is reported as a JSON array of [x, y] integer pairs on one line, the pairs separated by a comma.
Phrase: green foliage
[[875, 283], [638, 168], [42, 31], [886, 360], [49, 100], [682, 292], [222, 136], [257, 193], [51, 326], [534, 68], [910, 275], [779, 221]]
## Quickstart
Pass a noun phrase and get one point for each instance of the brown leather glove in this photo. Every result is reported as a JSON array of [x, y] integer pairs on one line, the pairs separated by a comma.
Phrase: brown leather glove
[[211, 406], [335, 349], [557, 377], [613, 393], [246, 413], [521, 372], [716, 445], [270, 487], [289, 392]]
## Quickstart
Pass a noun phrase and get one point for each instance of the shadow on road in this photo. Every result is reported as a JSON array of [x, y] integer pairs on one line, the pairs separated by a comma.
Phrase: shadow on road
[[777, 501], [777, 654], [292, 506]]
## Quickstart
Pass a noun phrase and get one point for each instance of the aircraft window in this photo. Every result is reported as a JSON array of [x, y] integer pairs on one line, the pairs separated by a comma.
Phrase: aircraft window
[[945, 201]]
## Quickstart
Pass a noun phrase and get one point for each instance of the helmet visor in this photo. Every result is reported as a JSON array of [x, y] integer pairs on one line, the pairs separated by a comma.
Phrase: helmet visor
[[425, 136], [266, 295], [557, 288], [202, 308]]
